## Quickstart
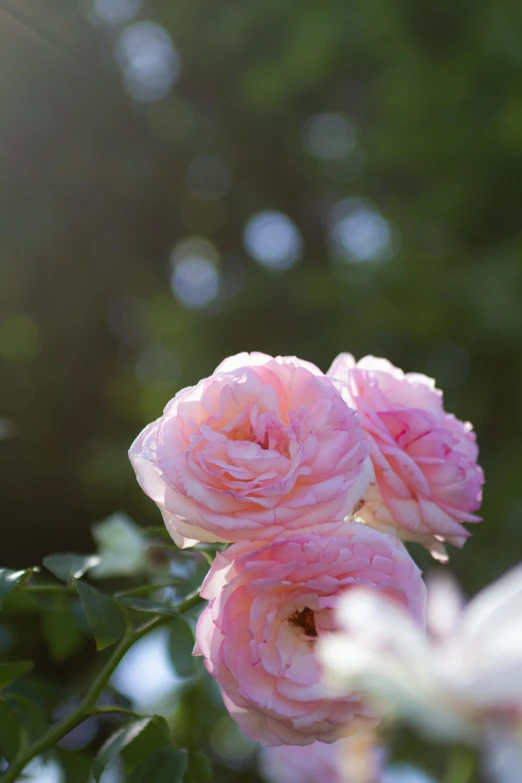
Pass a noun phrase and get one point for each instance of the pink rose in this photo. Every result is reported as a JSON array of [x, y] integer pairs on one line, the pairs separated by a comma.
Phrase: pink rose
[[271, 603], [263, 447], [425, 460], [356, 759]]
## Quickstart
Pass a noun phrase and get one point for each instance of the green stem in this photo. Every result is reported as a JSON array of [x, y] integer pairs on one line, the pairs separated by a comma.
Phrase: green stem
[[114, 711], [145, 589], [88, 704]]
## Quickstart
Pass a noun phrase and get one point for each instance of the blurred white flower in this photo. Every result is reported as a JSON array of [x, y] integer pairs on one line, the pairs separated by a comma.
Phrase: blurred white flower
[[121, 546], [503, 755], [459, 682]]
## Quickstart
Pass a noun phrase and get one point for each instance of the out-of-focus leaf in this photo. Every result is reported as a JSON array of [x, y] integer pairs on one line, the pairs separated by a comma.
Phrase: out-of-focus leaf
[[166, 766], [30, 716], [199, 768], [142, 733], [121, 546], [62, 633], [21, 602], [70, 566], [76, 765], [10, 672], [103, 615], [180, 646], [9, 732], [10, 579]]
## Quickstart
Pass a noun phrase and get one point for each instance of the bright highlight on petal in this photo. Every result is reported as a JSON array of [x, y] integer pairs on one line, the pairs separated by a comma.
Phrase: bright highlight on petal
[[263, 447]]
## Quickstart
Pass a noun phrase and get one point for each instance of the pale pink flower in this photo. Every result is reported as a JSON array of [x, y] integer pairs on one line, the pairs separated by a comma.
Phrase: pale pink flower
[[261, 448], [355, 759], [460, 681], [297, 764], [425, 460], [269, 605]]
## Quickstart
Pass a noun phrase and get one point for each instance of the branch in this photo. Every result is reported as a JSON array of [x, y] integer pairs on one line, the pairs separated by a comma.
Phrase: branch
[[88, 704]]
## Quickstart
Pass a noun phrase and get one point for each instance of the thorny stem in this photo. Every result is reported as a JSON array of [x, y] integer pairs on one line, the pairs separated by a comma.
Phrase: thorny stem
[[88, 704]]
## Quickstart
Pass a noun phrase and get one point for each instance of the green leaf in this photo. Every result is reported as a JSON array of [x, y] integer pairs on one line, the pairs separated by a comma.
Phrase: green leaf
[[167, 766], [76, 765], [103, 615], [69, 566], [180, 646], [127, 736], [10, 672], [62, 633], [199, 768], [155, 736], [10, 579], [9, 732]]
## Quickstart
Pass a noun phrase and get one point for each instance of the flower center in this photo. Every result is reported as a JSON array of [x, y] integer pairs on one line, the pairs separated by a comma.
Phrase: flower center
[[261, 427], [305, 620]]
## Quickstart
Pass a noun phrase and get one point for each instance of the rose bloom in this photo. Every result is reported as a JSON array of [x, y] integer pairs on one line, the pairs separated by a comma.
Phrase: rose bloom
[[269, 606], [459, 682], [262, 447], [425, 460]]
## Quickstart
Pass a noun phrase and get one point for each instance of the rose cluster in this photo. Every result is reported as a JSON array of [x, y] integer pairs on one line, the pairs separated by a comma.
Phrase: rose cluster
[[314, 480]]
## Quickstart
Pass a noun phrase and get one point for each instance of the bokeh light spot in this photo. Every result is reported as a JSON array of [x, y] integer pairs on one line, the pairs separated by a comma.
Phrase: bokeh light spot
[[113, 773], [273, 240], [358, 232], [149, 61], [146, 674], [195, 279], [44, 771], [329, 136]]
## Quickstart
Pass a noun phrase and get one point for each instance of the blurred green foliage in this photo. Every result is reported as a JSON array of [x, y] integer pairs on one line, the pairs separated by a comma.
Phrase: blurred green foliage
[[97, 188]]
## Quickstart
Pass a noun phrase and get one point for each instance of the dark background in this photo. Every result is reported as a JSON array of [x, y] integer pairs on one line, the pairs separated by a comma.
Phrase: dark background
[[388, 132], [97, 188]]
